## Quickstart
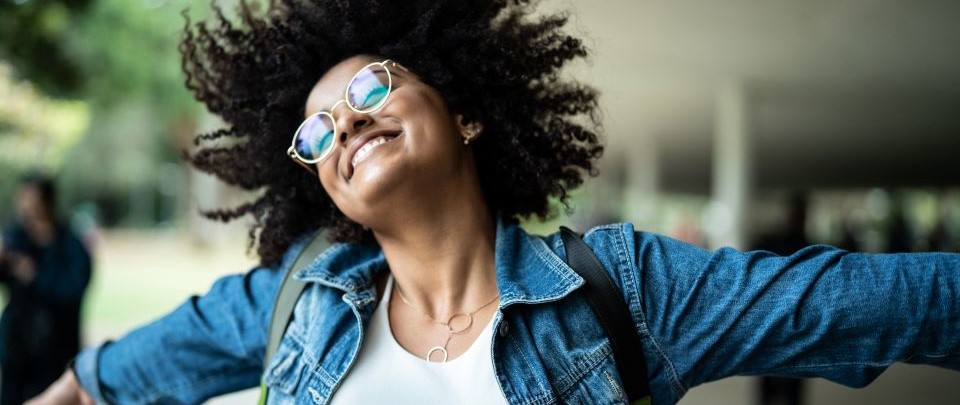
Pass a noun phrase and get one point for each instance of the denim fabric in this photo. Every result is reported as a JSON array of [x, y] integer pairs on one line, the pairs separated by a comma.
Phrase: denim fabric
[[702, 316]]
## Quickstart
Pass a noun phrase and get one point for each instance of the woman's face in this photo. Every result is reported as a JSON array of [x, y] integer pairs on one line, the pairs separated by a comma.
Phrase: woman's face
[[31, 207], [413, 144]]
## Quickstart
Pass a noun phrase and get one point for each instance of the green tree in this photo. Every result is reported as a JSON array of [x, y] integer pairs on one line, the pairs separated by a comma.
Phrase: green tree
[[117, 62], [34, 39]]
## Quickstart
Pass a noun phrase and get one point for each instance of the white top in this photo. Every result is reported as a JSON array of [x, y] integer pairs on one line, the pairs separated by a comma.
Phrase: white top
[[385, 373]]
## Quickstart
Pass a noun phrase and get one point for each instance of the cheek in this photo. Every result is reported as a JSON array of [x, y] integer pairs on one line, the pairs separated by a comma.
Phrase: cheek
[[431, 121], [27, 207], [332, 183], [328, 178], [421, 103]]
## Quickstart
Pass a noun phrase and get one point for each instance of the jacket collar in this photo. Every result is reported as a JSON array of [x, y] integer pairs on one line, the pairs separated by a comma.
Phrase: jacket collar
[[528, 271], [345, 266]]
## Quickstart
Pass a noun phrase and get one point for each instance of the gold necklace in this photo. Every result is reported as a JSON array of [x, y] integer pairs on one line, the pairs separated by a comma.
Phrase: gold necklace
[[451, 329]]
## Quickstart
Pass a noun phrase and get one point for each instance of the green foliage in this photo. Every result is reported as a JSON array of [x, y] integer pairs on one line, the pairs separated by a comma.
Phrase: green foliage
[[29, 139], [34, 38], [128, 50], [128, 113], [105, 51]]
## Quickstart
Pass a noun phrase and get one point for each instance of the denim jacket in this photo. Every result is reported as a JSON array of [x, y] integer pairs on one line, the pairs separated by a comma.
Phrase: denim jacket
[[701, 315]]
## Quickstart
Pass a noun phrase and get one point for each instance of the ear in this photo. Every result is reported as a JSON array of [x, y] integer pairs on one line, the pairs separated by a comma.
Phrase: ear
[[469, 130]]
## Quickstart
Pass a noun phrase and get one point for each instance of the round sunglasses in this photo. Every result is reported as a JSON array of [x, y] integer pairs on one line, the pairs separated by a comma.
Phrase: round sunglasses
[[366, 93]]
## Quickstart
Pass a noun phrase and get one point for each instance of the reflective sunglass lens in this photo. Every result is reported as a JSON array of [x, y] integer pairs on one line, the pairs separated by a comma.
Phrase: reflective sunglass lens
[[369, 88], [315, 137]]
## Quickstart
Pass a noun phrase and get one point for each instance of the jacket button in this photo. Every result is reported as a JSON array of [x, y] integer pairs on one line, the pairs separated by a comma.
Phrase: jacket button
[[504, 329], [317, 398]]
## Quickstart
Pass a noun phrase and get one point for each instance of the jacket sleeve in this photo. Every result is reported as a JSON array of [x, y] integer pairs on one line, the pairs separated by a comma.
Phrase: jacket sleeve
[[209, 345], [821, 312]]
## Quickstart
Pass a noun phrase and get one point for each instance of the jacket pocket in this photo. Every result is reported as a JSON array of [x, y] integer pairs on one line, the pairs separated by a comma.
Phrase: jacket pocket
[[286, 367], [593, 378]]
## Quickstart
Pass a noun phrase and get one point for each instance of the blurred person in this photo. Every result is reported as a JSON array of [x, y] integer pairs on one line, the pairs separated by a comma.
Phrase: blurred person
[[789, 240], [848, 236], [45, 269], [418, 134], [939, 239], [899, 237], [793, 236]]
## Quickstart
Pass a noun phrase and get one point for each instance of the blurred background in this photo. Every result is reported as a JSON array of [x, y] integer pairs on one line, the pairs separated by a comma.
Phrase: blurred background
[[745, 123]]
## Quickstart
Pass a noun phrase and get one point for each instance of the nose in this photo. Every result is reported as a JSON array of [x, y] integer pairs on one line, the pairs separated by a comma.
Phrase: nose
[[350, 122]]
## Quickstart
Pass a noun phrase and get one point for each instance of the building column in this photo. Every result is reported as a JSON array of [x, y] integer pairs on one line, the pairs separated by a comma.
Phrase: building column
[[732, 168], [642, 188]]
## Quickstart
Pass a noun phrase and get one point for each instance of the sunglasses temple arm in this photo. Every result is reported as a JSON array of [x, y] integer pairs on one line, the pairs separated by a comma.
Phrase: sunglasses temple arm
[[301, 163], [308, 167]]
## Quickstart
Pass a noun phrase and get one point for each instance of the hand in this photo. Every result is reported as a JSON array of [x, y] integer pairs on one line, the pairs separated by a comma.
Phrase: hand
[[65, 391], [23, 268]]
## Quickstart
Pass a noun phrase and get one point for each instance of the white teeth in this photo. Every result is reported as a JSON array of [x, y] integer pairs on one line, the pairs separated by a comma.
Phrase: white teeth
[[364, 150]]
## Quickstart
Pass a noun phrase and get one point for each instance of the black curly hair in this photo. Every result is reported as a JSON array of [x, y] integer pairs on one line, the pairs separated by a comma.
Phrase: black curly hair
[[489, 59]]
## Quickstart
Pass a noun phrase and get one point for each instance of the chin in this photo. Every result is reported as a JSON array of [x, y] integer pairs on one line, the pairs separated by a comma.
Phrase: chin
[[374, 186]]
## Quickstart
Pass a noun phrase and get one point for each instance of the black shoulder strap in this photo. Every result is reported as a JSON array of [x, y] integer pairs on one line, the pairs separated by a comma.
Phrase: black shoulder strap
[[608, 304]]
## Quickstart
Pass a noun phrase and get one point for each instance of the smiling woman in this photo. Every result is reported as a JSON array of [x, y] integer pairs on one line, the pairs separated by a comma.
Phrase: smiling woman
[[488, 61], [427, 129]]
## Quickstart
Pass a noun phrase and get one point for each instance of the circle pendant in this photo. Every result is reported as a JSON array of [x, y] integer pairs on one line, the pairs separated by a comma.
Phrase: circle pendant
[[459, 323], [437, 349]]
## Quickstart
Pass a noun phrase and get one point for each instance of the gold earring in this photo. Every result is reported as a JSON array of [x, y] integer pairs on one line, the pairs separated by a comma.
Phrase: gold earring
[[471, 133]]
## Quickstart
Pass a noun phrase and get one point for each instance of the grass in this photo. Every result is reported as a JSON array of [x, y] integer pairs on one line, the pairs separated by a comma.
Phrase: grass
[[142, 275]]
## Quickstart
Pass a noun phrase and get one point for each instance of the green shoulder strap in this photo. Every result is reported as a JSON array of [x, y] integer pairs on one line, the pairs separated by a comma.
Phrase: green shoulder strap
[[287, 296]]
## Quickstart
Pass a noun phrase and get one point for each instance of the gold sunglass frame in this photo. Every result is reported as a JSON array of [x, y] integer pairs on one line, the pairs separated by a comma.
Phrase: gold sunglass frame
[[309, 164]]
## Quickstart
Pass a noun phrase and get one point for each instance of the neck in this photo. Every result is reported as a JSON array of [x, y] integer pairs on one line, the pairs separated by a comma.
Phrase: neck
[[441, 254]]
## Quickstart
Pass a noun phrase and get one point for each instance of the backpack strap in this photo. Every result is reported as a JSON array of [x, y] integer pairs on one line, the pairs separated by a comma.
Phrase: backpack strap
[[607, 303], [287, 296]]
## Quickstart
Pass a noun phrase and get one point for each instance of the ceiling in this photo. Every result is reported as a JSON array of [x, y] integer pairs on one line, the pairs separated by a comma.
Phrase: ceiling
[[850, 93]]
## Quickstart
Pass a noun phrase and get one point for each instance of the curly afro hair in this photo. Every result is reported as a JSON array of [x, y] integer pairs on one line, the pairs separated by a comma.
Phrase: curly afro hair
[[489, 59]]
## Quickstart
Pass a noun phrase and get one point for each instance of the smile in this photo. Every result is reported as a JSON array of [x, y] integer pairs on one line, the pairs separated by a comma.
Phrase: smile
[[368, 147]]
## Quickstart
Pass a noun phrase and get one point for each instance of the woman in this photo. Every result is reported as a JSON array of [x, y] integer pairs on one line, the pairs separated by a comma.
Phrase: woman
[[431, 128], [45, 269]]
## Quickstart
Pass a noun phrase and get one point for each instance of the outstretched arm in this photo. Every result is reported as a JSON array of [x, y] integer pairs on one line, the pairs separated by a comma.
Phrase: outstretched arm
[[65, 391], [822, 312], [210, 345]]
